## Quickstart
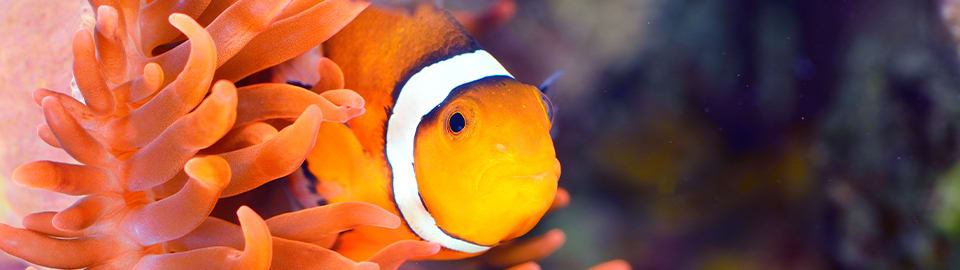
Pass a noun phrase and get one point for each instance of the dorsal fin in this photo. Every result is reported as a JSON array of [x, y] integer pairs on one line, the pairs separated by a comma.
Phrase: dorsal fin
[[382, 48]]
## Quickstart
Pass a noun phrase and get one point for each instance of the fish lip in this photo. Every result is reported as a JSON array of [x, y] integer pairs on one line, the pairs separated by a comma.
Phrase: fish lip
[[538, 175]]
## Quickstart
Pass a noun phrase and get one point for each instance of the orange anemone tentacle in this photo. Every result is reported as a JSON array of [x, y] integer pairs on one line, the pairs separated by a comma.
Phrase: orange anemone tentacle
[[175, 216], [70, 179], [137, 136], [217, 232], [257, 253], [281, 155], [148, 84], [560, 200], [172, 186], [176, 99], [298, 33], [231, 31], [46, 135], [297, 6], [325, 221], [293, 255], [85, 212], [258, 244], [153, 26], [78, 110], [331, 76], [211, 258], [113, 60], [74, 139], [525, 266], [612, 265], [42, 222], [526, 250], [344, 98], [127, 12], [52, 252], [87, 72], [394, 255], [241, 23], [212, 232], [164, 157], [278, 100], [348, 216], [241, 137], [214, 10]]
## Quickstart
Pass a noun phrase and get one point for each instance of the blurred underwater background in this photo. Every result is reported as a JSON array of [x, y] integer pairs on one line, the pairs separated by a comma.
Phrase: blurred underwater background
[[749, 134], [693, 134]]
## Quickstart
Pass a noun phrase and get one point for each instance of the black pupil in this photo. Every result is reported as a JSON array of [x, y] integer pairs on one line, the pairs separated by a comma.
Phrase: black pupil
[[457, 122]]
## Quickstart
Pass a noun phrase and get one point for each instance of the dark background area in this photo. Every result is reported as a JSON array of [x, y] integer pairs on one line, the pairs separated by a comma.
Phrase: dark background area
[[748, 134]]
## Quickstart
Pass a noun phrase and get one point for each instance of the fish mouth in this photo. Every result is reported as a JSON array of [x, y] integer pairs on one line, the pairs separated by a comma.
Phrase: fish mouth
[[508, 197], [486, 175], [516, 195], [535, 177], [537, 172]]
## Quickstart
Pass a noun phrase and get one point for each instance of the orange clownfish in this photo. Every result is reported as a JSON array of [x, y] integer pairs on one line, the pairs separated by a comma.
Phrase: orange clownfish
[[450, 141]]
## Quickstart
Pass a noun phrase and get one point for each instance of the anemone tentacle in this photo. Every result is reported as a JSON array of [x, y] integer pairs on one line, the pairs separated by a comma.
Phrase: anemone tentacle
[[145, 121], [160, 138]]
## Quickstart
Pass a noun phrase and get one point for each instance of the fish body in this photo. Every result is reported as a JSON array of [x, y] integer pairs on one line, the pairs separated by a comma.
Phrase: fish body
[[450, 141]]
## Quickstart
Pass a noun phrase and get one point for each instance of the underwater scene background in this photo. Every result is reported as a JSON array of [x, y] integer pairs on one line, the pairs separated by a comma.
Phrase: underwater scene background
[[749, 134], [693, 134]]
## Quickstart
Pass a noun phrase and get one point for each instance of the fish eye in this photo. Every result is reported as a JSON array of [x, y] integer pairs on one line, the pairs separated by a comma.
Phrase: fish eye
[[457, 123]]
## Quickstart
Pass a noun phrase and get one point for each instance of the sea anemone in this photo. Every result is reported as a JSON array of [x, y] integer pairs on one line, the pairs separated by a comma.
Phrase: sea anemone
[[161, 133], [146, 114]]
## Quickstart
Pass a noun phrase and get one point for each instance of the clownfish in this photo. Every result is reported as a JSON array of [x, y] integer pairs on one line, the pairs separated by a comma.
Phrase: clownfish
[[450, 141]]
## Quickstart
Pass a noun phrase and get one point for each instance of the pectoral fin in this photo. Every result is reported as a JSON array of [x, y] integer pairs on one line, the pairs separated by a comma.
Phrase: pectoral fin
[[337, 160]]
